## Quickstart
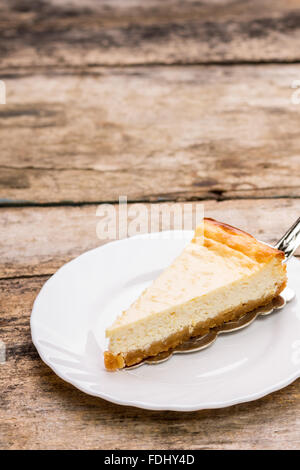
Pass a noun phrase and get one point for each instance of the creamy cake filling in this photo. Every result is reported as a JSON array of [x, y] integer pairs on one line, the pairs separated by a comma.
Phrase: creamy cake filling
[[161, 324]]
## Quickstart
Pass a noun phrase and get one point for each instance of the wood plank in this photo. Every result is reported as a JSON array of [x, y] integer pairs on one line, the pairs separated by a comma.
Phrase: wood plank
[[89, 32], [156, 133], [38, 240], [40, 411]]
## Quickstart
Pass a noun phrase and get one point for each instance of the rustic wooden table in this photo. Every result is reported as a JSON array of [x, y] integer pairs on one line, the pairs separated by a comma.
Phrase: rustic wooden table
[[160, 101]]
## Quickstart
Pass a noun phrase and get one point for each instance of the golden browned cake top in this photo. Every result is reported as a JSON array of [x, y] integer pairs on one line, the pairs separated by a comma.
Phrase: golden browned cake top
[[236, 239]]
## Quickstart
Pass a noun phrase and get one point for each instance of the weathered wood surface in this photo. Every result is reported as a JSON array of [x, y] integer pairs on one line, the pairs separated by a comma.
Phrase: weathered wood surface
[[38, 240], [76, 132], [158, 133], [122, 32], [40, 411]]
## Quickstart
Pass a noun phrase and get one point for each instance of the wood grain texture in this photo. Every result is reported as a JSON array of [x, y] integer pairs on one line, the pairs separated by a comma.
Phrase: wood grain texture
[[40, 411], [152, 134], [94, 111], [124, 32], [38, 240]]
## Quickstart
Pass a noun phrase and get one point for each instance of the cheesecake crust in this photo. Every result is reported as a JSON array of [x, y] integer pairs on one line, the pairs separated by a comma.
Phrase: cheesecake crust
[[113, 362]]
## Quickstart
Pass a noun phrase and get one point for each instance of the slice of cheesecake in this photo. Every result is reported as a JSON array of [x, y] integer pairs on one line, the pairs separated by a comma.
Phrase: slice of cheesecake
[[220, 275]]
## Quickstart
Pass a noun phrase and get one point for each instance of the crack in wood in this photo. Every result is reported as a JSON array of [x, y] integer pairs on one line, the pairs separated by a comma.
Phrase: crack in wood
[[217, 196]]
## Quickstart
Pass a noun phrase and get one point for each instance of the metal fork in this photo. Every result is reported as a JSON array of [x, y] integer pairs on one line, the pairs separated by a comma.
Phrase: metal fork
[[290, 240]]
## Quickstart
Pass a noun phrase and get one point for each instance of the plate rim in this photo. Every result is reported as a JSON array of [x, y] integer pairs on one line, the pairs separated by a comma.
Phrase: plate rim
[[145, 404]]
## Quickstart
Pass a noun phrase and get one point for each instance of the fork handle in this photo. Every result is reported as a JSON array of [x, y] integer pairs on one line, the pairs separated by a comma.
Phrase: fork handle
[[290, 240]]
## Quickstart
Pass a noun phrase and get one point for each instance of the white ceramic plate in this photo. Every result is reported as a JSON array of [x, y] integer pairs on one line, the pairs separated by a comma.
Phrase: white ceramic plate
[[75, 305]]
